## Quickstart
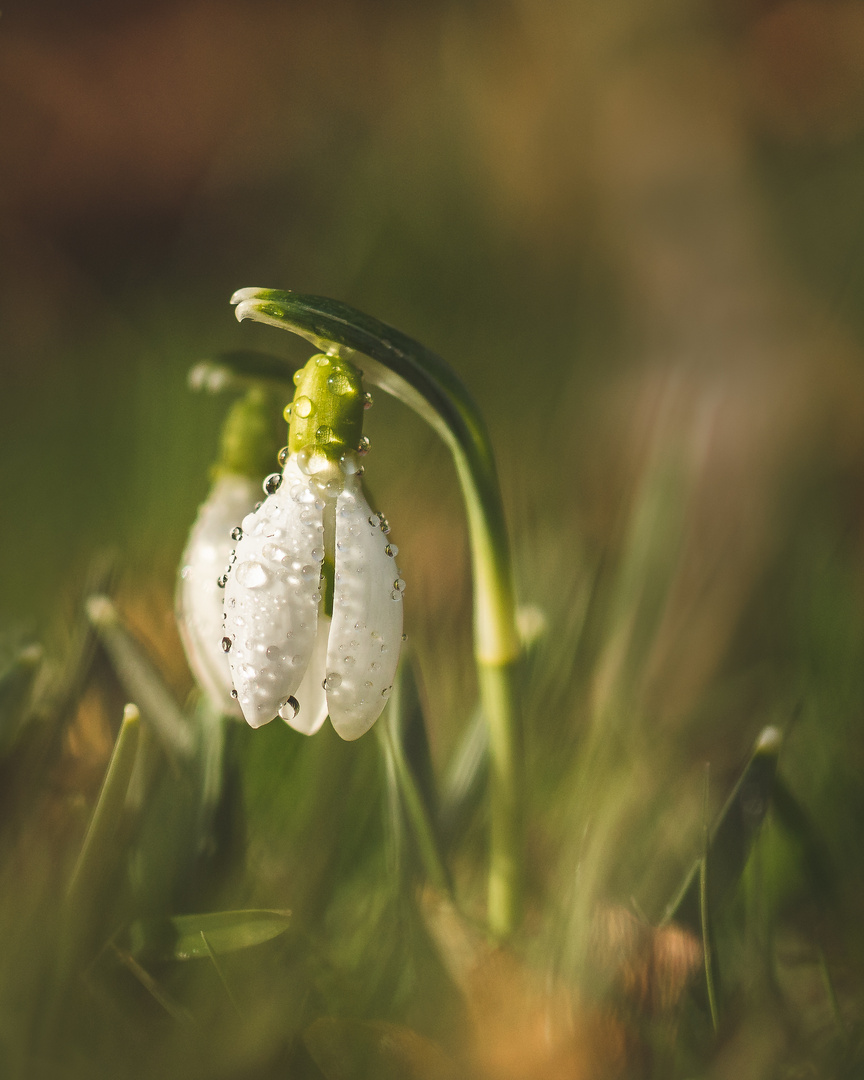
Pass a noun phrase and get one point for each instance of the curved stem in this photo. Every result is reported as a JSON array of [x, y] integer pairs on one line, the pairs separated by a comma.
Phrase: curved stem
[[420, 378]]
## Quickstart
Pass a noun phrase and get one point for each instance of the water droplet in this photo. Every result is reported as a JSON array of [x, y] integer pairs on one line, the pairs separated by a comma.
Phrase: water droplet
[[374, 666], [348, 463], [368, 684], [234, 694], [309, 572], [185, 572], [273, 652], [251, 574], [373, 520], [222, 581], [364, 445], [303, 407], [298, 375], [332, 681], [257, 506], [232, 558], [399, 585], [226, 644], [386, 691], [283, 453], [317, 554], [322, 361], [367, 400], [289, 709], [272, 483], [324, 433], [349, 660], [361, 469], [404, 637], [391, 550], [395, 595], [339, 384]]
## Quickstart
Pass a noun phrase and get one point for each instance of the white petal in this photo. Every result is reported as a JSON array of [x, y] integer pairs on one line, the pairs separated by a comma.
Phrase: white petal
[[200, 601], [310, 695], [366, 632], [272, 595]]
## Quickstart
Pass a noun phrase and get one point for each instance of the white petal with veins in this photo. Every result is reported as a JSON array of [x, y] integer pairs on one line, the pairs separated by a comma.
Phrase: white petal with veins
[[366, 631], [272, 595], [200, 601]]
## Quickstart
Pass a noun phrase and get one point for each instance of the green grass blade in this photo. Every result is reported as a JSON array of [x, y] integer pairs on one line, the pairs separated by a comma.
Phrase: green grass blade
[[732, 836], [195, 937]]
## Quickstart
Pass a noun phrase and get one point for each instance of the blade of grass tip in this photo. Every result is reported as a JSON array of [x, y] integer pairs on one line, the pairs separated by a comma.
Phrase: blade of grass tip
[[221, 974], [91, 866], [142, 680], [94, 867], [705, 915], [733, 834]]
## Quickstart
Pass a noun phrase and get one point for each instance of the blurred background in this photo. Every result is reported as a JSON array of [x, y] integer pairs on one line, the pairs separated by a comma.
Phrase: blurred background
[[635, 230]]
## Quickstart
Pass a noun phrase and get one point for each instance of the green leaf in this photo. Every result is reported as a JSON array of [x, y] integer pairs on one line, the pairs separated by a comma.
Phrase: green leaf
[[194, 937]]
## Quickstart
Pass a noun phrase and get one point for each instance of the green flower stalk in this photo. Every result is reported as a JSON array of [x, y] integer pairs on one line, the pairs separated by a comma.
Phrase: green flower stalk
[[422, 380]]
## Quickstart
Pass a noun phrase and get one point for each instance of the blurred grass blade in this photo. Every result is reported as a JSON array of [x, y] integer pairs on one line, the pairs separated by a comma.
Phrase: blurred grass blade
[[362, 1050], [465, 781], [731, 838], [91, 866], [195, 937], [16, 684], [409, 762], [142, 680]]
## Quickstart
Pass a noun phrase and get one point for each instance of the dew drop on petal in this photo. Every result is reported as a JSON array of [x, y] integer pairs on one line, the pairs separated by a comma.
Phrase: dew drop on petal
[[373, 521], [332, 681], [391, 550], [367, 400], [286, 413], [273, 652], [234, 694], [251, 574], [324, 433], [222, 581], [298, 375], [226, 644], [386, 691], [363, 445], [289, 708], [272, 483], [236, 533], [284, 452], [322, 361], [303, 407]]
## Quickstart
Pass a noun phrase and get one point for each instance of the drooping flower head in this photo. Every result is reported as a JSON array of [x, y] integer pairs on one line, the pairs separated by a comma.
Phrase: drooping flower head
[[313, 601]]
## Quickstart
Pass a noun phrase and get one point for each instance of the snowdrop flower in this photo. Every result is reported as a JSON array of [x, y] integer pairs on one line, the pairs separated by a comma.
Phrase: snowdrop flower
[[246, 447], [313, 601]]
